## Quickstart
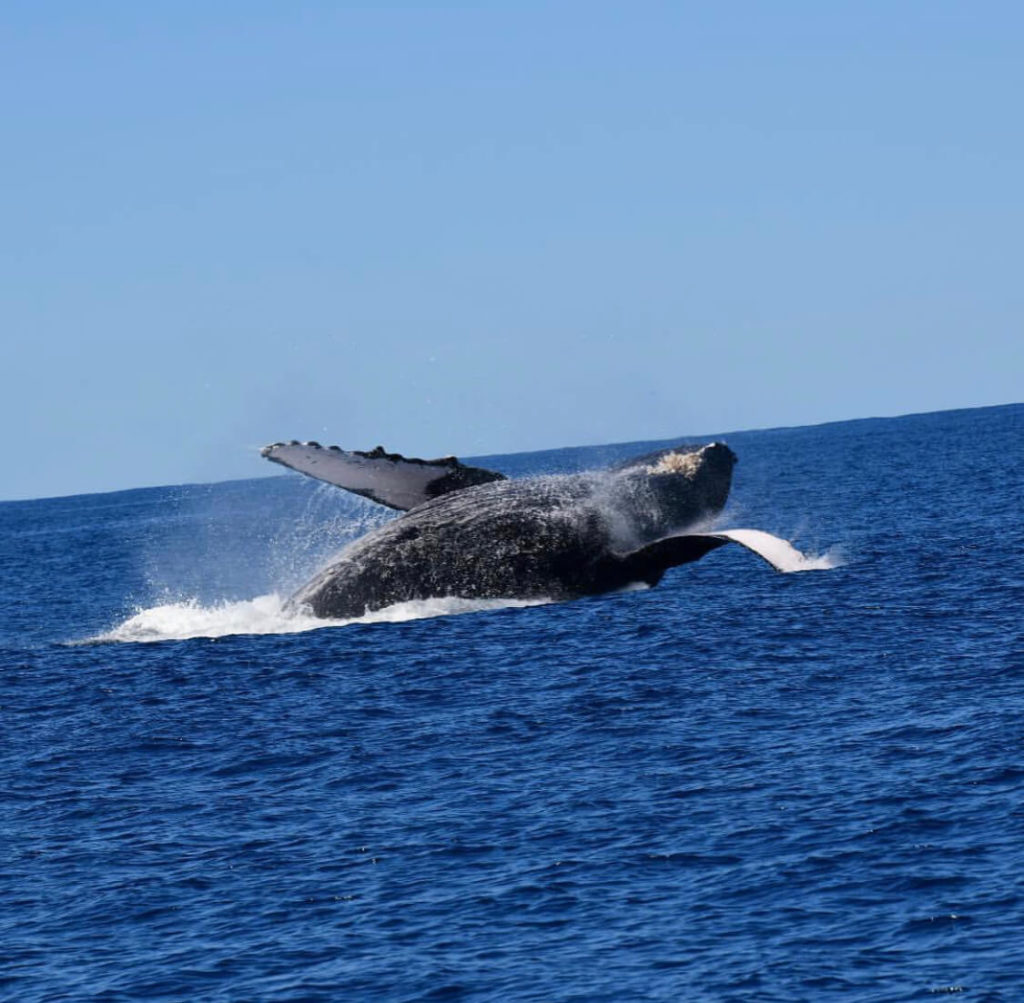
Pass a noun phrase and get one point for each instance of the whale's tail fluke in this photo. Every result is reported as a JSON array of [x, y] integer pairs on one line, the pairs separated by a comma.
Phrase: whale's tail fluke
[[648, 564]]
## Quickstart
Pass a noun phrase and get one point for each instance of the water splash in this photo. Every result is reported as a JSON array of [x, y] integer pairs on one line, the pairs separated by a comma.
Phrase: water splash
[[834, 557], [269, 614], [329, 522]]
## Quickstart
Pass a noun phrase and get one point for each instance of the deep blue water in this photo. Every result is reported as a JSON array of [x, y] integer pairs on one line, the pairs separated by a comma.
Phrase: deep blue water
[[738, 785]]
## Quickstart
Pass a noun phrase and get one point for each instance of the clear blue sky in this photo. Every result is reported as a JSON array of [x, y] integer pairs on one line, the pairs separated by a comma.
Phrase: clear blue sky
[[492, 227]]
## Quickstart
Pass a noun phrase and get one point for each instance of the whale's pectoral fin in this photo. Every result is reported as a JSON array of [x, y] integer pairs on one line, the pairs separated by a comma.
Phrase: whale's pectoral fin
[[649, 563], [393, 480]]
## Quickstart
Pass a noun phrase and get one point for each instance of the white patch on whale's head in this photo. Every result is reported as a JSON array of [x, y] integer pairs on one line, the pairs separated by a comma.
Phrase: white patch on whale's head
[[677, 463]]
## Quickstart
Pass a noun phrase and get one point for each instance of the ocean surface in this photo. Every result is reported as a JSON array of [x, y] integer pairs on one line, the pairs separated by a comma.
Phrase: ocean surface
[[738, 785]]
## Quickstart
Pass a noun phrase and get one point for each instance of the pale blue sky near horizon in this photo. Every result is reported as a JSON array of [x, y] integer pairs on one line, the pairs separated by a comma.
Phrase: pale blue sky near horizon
[[495, 227]]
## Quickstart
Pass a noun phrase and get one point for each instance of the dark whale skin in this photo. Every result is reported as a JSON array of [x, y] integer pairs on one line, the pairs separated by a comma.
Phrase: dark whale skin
[[557, 537]]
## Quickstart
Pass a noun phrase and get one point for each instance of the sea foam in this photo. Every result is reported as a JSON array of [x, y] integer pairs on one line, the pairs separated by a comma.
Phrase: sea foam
[[269, 614]]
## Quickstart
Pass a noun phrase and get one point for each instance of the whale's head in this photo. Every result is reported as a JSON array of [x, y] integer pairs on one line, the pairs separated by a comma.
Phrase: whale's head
[[678, 487]]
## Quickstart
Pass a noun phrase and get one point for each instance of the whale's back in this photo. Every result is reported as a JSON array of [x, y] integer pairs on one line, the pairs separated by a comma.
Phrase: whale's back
[[529, 539]]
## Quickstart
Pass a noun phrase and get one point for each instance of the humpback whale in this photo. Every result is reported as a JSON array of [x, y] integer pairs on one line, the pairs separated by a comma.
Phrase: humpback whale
[[473, 533]]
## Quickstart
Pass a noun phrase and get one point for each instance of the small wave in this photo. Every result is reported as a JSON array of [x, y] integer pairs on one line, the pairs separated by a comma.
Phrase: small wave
[[269, 614]]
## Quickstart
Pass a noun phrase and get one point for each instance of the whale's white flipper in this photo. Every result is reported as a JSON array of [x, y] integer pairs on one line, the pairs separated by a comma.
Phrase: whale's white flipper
[[649, 563], [396, 481], [779, 553]]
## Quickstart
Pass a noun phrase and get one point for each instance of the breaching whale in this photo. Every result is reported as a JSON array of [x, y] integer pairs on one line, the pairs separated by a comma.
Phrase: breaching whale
[[475, 534]]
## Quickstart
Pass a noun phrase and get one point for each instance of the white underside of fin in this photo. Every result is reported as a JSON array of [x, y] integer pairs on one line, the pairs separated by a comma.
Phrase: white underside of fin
[[779, 553], [398, 483]]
